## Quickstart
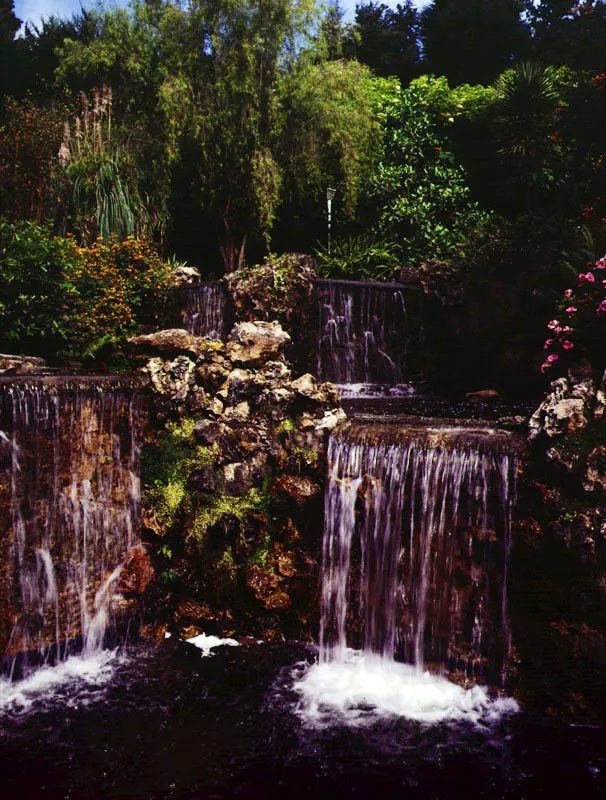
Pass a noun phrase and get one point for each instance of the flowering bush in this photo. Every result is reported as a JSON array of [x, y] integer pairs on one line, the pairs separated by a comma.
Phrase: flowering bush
[[114, 288], [56, 297], [580, 328]]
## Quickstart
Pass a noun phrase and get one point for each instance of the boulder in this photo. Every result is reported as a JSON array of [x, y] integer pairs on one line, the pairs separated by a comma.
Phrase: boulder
[[254, 343], [237, 413], [239, 478], [22, 365], [317, 394], [171, 379], [566, 409], [595, 472], [266, 587], [186, 276], [207, 431], [168, 342], [137, 571], [299, 487]]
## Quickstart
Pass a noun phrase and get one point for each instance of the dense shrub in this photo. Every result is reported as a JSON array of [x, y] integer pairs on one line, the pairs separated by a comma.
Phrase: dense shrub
[[115, 288], [34, 309], [58, 298]]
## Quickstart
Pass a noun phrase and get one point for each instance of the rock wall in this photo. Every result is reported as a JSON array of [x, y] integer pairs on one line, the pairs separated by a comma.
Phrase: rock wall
[[234, 482], [558, 592]]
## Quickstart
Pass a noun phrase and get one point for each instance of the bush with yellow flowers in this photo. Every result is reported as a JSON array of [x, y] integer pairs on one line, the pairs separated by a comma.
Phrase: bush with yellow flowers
[[114, 289]]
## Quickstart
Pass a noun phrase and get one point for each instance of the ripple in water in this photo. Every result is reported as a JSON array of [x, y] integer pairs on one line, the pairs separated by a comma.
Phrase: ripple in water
[[362, 689]]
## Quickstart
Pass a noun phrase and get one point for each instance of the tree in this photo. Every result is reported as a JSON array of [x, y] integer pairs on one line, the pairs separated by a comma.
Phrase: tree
[[569, 33], [420, 193], [387, 39], [9, 25], [472, 41]]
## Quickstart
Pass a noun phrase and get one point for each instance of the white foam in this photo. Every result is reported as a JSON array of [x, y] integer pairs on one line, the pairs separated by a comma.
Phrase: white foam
[[376, 390], [206, 643], [362, 689], [91, 670]]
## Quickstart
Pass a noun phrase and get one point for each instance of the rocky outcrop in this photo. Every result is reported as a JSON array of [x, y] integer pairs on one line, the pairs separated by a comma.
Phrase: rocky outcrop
[[254, 343], [168, 342], [235, 483], [22, 365], [567, 408]]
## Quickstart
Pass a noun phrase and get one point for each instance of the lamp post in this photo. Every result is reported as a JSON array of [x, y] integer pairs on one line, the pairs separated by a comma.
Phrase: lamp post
[[330, 193]]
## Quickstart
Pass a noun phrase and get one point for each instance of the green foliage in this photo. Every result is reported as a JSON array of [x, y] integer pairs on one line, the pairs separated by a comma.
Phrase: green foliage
[[362, 257], [34, 316], [165, 468], [205, 517], [332, 136], [422, 200]]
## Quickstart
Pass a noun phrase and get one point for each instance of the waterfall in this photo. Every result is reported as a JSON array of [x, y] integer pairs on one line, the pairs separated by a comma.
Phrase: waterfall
[[69, 505], [363, 333], [203, 309], [416, 546]]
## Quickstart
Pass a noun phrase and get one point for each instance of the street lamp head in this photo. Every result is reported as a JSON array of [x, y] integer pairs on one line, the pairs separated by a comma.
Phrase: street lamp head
[[330, 193]]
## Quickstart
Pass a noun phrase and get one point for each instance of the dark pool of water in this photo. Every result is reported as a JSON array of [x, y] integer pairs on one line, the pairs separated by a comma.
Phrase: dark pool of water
[[171, 724]]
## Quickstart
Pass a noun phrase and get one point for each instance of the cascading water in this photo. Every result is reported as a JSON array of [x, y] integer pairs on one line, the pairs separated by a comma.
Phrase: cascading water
[[364, 337], [69, 503], [203, 311], [415, 554]]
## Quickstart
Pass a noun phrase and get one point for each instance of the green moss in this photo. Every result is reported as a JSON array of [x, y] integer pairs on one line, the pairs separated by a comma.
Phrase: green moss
[[224, 505], [286, 426], [309, 457], [166, 466], [211, 344]]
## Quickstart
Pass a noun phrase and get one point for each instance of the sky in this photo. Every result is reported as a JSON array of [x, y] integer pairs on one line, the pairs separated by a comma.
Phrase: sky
[[35, 10]]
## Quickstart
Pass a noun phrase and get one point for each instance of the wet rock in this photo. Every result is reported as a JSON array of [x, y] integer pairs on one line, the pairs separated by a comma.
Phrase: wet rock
[[238, 413], [137, 571], [330, 420], [266, 587], [307, 387], [186, 276], [22, 365], [171, 379], [212, 376], [241, 384], [565, 460], [299, 487], [566, 409], [254, 343], [483, 396], [595, 471], [207, 431], [215, 407], [203, 480], [168, 342], [239, 478]]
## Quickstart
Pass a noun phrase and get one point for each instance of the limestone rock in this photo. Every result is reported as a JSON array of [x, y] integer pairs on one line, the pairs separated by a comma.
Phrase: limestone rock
[[207, 431], [203, 480], [595, 473], [241, 477], [169, 342], [254, 343], [238, 413], [299, 487], [22, 365], [565, 409], [186, 276], [331, 419], [266, 587], [171, 379], [212, 375], [137, 571], [321, 394]]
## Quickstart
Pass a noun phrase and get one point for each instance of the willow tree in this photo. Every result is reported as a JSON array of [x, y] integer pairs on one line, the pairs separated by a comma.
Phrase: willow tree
[[332, 135]]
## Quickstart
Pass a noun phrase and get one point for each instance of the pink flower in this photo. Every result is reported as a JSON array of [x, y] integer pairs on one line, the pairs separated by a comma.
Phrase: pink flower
[[601, 264], [567, 345], [553, 324], [586, 276], [571, 310], [548, 343], [568, 293], [551, 358], [557, 330], [602, 307], [566, 329], [545, 366]]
